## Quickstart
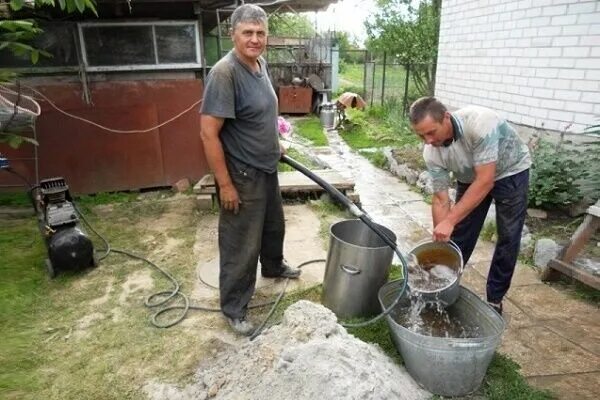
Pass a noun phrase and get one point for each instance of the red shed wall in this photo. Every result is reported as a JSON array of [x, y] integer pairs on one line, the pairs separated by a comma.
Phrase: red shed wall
[[95, 160]]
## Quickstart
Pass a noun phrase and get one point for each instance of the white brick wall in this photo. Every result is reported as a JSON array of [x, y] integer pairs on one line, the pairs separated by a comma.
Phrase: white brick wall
[[536, 62]]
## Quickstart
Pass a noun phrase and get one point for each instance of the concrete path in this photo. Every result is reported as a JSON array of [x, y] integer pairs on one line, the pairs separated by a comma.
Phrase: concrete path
[[553, 336]]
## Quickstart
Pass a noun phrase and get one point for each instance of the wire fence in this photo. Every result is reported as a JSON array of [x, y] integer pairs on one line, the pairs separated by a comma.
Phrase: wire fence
[[383, 79]]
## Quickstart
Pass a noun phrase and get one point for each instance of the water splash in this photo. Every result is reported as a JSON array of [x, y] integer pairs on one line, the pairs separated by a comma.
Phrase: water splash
[[429, 277], [431, 318]]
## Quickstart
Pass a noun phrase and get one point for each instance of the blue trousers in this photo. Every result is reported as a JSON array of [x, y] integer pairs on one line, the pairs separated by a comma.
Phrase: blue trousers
[[510, 197]]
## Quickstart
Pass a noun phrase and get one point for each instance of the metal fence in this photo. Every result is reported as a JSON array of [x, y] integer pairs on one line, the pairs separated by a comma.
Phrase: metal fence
[[383, 79]]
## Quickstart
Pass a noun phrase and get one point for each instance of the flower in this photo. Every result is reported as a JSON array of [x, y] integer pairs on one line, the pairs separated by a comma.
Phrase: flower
[[285, 128]]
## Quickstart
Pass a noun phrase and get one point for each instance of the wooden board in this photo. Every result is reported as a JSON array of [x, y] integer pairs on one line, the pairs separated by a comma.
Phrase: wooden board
[[289, 182], [575, 272]]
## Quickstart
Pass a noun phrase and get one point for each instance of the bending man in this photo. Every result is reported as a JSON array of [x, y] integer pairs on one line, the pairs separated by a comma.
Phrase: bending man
[[489, 162]]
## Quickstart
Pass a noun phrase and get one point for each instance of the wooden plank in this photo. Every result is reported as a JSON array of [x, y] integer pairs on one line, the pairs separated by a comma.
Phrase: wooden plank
[[576, 273], [581, 236], [289, 182]]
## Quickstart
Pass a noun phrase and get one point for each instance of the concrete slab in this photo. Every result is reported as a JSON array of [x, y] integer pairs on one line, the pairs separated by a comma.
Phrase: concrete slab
[[586, 335], [302, 243], [515, 318], [473, 280], [572, 386], [540, 352], [525, 276], [544, 302]]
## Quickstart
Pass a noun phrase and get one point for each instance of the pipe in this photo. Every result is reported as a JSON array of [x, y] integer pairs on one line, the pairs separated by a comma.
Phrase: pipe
[[364, 217]]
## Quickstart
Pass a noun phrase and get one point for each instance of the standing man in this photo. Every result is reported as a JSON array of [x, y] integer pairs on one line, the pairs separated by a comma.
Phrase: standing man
[[489, 162], [241, 142]]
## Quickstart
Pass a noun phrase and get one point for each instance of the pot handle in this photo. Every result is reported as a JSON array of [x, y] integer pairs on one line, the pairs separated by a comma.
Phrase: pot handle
[[350, 269], [453, 244]]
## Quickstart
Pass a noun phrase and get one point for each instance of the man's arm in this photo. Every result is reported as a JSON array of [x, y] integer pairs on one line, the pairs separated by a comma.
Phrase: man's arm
[[213, 149], [481, 186], [440, 206]]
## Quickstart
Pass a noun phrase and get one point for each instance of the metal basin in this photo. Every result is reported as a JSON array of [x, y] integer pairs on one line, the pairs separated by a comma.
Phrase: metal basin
[[447, 366]]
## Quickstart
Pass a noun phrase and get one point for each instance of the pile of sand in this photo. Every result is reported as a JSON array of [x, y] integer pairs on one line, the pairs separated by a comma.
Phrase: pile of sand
[[308, 356]]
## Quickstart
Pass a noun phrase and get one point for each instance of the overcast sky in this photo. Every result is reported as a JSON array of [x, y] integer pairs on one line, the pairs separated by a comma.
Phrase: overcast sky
[[346, 15]]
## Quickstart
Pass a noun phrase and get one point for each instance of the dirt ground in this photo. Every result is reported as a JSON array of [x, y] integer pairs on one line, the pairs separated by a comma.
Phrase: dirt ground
[[111, 325]]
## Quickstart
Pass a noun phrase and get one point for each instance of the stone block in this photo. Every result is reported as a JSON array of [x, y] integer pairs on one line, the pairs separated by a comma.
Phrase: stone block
[[182, 185], [545, 250], [204, 202]]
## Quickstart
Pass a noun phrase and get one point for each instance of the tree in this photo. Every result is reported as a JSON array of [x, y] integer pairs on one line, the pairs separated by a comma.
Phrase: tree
[[409, 34], [348, 48], [16, 35], [290, 25]]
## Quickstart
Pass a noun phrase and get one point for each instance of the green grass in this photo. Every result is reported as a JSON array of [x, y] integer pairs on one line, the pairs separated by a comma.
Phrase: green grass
[[488, 232], [91, 200], [378, 127], [503, 381], [352, 75], [23, 287], [377, 158], [14, 199], [302, 158], [311, 129], [41, 354]]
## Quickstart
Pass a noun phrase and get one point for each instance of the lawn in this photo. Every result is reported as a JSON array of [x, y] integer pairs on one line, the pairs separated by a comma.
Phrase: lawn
[[378, 127], [87, 335], [310, 128], [351, 79]]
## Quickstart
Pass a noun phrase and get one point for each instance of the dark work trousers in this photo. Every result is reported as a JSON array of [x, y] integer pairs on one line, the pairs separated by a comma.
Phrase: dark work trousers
[[510, 197], [257, 230]]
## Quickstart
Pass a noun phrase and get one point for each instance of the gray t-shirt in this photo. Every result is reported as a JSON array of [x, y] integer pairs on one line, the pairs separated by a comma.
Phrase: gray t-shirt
[[247, 102]]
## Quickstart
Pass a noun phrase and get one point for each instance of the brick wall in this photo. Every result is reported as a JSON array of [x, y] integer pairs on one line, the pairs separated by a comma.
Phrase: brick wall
[[537, 62]]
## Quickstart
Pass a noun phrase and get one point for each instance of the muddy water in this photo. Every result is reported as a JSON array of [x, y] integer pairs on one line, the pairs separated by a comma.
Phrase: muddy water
[[431, 319], [431, 272]]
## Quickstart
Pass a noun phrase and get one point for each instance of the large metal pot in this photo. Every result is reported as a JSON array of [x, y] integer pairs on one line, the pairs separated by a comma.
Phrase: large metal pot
[[445, 253], [358, 264]]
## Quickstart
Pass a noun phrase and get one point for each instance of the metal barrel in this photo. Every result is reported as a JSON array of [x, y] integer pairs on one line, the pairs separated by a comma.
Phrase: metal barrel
[[358, 265], [447, 366]]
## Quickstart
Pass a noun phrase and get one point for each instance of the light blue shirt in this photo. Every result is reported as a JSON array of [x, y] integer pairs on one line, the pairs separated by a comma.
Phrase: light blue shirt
[[480, 137]]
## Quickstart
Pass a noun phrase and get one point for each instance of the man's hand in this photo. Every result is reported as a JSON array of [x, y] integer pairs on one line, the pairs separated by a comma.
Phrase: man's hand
[[282, 150], [443, 231], [230, 200]]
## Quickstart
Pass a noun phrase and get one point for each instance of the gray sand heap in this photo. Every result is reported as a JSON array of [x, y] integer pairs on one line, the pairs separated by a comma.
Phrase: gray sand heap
[[308, 356]]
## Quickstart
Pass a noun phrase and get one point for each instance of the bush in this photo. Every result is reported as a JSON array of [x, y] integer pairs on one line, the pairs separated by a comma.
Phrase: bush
[[556, 174]]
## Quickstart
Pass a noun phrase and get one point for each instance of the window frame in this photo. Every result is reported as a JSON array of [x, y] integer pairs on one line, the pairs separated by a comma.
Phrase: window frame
[[141, 67]]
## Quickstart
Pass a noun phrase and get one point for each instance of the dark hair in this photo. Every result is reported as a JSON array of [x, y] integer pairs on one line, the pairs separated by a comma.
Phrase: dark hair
[[426, 106]]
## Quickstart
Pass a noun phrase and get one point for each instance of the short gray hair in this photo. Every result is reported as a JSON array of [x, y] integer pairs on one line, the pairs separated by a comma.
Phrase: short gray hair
[[248, 13], [426, 106]]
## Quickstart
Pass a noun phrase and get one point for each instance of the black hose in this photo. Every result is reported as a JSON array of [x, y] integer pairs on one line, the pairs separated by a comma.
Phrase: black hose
[[366, 219]]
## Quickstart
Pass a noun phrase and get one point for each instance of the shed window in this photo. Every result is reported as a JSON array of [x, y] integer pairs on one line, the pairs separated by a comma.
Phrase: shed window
[[140, 45]]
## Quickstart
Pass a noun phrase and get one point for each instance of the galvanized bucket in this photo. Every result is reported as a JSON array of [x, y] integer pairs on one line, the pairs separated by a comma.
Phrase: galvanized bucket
[[358, 264], [447, 366], [446, 253]]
